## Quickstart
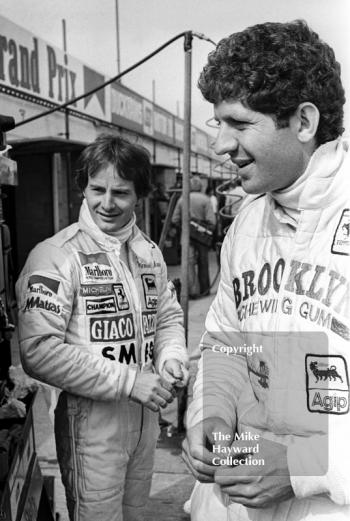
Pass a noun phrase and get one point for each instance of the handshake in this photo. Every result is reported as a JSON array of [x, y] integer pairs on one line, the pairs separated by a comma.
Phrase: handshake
[[155, 391]]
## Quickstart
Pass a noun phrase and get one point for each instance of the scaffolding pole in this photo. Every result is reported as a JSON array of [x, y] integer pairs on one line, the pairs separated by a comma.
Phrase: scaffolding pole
[[186, 169]]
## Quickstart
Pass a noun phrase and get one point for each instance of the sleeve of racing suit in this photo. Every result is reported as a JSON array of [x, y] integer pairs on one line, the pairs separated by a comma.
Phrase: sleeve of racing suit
[[221, 373], [45, 295], [170, 335], [312, 472]]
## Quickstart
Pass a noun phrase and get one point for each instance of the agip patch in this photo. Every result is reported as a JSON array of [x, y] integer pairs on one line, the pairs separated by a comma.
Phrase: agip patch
[[327, 384], [150, 290]]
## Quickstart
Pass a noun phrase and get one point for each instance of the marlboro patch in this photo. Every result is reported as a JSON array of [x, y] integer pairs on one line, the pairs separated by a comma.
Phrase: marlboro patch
[[341, 239]]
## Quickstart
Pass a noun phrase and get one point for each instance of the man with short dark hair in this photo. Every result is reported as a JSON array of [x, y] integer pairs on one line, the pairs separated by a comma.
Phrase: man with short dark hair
[[99, 320], [268, 427]]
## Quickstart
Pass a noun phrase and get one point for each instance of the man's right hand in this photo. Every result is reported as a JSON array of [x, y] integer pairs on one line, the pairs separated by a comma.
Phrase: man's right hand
[[152, 391], [197, 447]]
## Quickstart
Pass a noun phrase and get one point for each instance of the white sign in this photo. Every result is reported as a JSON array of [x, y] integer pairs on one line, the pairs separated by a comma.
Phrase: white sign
[[37, 68]]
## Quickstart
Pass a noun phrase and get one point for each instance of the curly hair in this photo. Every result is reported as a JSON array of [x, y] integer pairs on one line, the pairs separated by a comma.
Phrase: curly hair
[[131, 161], [272, 68]]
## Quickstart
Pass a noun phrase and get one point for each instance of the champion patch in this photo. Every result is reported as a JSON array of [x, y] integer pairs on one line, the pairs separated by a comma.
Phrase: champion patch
[[327, 383], [100, 306], [341, 239], [150, 290]]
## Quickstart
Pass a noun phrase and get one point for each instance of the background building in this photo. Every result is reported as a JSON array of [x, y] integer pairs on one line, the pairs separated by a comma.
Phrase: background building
[[36, 76]]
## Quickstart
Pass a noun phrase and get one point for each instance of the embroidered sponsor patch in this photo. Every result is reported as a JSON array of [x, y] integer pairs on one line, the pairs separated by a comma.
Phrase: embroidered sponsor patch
[[327, 384], [123, 353], [341, 239], [96, 290], [43, 285], [109, 329], [44, 304], [95, 267], [100, 306], [121, 298], [149, 320], [42, 294], [150, 290]]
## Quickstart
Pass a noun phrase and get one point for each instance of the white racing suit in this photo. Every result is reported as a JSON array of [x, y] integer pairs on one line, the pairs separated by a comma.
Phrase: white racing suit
[[87, 322], [285, 287]]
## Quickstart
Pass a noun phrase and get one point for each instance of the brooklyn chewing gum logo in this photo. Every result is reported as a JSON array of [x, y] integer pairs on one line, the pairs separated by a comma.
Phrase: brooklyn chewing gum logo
[[313, 292]]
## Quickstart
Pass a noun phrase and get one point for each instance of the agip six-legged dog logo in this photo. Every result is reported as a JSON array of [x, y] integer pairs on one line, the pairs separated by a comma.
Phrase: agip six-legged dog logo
[[323, 374], [327, 384]]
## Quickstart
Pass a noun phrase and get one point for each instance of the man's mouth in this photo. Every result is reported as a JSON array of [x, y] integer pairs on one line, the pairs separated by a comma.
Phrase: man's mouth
[[242, 163], [108, 215]]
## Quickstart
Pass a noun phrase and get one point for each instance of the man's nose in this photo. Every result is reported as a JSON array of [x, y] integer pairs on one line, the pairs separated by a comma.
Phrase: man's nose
[[226, 141], [108, 201]]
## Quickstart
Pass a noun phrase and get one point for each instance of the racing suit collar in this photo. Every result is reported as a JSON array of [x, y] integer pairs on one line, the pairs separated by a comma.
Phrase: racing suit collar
[[129, 234], [326, 175], [316, 187]]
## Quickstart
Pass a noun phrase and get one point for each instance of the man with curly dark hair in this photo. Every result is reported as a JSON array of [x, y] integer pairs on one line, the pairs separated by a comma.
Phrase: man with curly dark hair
[[269, 424]]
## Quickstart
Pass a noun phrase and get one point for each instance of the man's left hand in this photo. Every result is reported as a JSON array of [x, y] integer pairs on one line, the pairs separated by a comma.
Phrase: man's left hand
[[257, 486], [175, 373]]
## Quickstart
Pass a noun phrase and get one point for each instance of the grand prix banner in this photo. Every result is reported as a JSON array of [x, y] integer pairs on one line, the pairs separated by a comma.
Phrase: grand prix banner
[[36, 68]]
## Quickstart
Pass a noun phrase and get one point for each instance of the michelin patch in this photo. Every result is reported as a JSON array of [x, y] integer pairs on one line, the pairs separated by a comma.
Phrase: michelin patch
[[96, 290], [42, 294], [150, 290], [341, 239], [327, 384]]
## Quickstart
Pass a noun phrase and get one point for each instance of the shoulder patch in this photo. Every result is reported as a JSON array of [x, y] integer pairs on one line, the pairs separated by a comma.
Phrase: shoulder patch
[[341, 239], [42, 294]]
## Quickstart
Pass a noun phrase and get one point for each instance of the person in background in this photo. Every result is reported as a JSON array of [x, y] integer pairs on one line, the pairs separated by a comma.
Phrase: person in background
[[269, 426], [202, 212], [210, 192], [98, 320]]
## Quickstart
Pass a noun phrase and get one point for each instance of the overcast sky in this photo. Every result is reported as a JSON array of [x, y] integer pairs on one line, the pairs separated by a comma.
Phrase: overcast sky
[[147, 24]]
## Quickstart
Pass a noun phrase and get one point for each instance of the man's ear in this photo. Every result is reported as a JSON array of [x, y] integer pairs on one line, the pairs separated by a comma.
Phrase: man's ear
[[306, 119]]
